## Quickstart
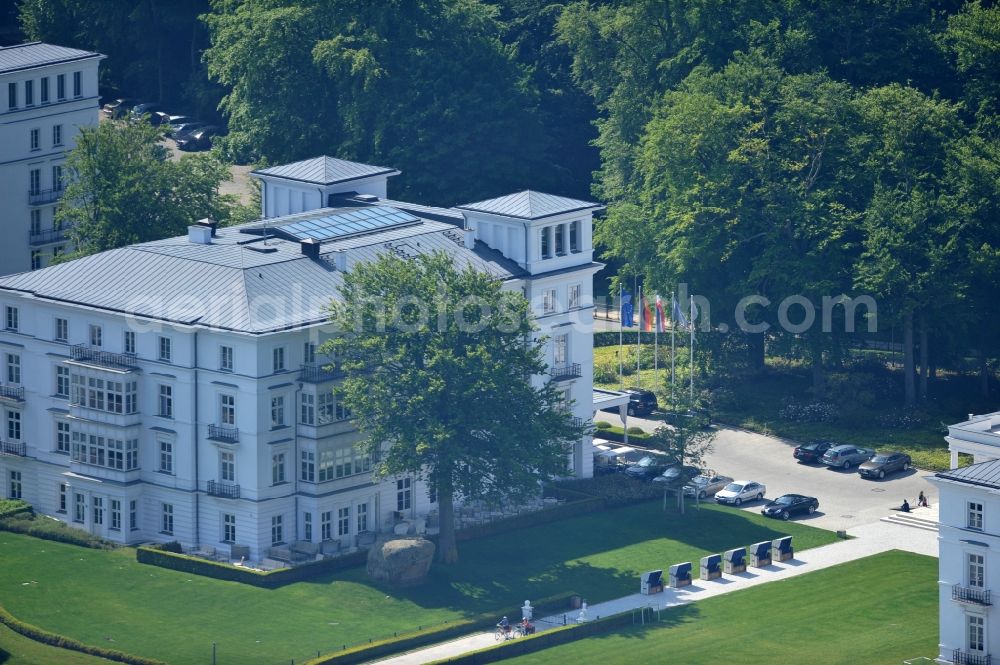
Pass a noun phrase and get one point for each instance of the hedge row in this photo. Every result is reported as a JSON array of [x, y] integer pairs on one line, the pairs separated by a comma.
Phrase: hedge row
[[52, 639], [610, 338], [11, 507], [618, 434], [375, 650], [52, 529], [544, 640], [270, 579]]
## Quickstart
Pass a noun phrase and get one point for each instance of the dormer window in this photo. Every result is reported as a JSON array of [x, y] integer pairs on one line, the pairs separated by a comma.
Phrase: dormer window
[[574, 236], [546, 244], [560, 239]]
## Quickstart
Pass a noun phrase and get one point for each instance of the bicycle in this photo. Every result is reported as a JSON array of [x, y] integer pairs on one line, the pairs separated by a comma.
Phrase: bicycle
[[503, 634]]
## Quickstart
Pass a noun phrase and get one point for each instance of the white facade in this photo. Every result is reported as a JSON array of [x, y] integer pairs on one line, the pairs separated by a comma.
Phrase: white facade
[[46, 94], [139, 429], [969, 542], [979, 436]]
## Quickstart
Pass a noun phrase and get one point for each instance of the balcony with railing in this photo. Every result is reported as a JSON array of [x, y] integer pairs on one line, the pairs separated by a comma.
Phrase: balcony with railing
[[565, 371], [18, 448], [12, 393], [970, 594], [318, 372], [91, 356], [960, 657], [40, 197], [48, 236], [224, 490], [224, 433]]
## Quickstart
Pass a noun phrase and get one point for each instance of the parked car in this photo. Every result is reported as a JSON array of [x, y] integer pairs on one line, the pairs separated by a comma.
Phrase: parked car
[[649, 467], [787, 505], [846, 456], [706, 485], [884, 463], [173, 122], [147, 108], [640, 403], [678, 474], [198, 139], [739, 491], [617, 459], [813, 452], [184, 128], [118, 107]]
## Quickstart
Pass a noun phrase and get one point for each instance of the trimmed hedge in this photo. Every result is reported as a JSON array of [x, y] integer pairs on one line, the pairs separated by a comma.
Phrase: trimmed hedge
[[51, 529], [269, 579], [539, 641], [610, 338], [393, 645], [614, 433], [52, 639], [11, 507]]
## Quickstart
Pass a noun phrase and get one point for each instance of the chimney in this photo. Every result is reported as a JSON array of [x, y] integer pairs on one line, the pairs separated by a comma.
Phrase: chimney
[[200, 235], [469, 238], [971, 416], [310, 247], [340, 259], [210, 223]]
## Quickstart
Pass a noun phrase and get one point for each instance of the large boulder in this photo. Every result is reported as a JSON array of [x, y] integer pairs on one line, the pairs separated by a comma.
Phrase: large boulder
[[400, 561]]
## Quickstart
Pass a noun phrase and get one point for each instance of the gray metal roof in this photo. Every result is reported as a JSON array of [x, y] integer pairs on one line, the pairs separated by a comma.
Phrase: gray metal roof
[[530, 205], [36, 54], [985, 474], [243, 281], [325, 171]]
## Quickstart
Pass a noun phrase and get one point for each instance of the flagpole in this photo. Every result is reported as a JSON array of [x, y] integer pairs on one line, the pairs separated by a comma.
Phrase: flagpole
[[673, 347], [621, 322], [638, 340], [656, 335], [691, 323]]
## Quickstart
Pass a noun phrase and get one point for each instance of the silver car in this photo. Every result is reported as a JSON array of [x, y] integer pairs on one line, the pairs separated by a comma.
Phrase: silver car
[[706, 485], [738, 491], [845, 456]]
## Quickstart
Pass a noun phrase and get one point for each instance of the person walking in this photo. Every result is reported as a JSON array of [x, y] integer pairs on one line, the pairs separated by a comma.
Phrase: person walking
[[922, 501]]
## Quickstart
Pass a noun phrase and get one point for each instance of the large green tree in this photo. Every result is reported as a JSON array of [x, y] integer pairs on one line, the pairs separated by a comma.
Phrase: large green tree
[[439, 362], [123, 188]]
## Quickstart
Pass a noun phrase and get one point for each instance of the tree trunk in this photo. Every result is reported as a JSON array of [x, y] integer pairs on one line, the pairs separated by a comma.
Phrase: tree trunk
[[756, 352], [447, 550], [923, 357], [818, 373], [984, 372], [909, 387]]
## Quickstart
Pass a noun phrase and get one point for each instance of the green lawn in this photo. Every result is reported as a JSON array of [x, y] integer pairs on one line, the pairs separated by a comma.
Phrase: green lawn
[[16, 649], [882, 609], [106, 598]]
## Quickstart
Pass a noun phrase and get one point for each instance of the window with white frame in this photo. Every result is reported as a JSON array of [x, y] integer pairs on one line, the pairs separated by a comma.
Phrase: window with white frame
[[277, 530], [307, 409], [133, 515], [14, 489], [62, 330], [34, 135], [43, 90], [976, 632], [344, 521], [129, 342], [98, 450], [79, 507], [976, 570], [308, 353], [164, 349], [326, 411], [278, 358], [574, 236], [278, 411], [573, 296], [975, 515], [63, 437], [11, 318], [277, 468], [546, 247], [13, 368], [63, 489], [56, 135], [326, 464], [228, 528], [78, 84], [307, 526], [404, 494], [560, 349], [29, 93], [548, 301], [61, 87], [57, 178], [560, 239], [227, 409], [98, 505], [341, 412], [116, 515], [36, 221], [13, 425], [166, 402], [226, 358], [12, 95], [104, 394], [96, 336], [166, 456], [326, 525], [308, 466], [36, 259], [167, 518], [362, 517], [227, 466], [35, 181]]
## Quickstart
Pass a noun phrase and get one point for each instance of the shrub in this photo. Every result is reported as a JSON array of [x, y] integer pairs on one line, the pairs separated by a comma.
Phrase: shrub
[[11, 507], [605, 373], [635, 430], [724, 399], [48, 528], [603, 424], [901, 418], [808, 412], [172, 546]]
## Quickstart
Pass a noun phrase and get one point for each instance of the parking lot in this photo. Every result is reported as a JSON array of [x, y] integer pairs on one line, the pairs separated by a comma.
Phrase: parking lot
[[845, 499]]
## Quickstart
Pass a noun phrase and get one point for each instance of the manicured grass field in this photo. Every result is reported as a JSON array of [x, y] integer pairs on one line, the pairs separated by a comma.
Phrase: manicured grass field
[[106, 598], [18, 650], [882, 609]]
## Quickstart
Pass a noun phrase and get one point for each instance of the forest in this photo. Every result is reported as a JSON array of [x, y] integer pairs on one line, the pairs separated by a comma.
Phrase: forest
[[766, 148]]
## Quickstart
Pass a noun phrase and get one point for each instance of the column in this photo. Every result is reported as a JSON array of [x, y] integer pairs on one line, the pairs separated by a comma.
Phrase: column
[[954, 458]]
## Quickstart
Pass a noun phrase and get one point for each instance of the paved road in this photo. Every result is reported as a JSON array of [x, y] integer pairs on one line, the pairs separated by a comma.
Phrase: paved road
[[845, 499]]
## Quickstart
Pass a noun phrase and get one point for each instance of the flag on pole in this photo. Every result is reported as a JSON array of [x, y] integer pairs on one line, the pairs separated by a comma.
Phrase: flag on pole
[[627, 309], [647, 316], [661, 319], [678, 316]]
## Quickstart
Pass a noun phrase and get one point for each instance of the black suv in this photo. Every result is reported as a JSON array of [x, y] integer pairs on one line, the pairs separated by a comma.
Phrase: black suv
[[640, 403]]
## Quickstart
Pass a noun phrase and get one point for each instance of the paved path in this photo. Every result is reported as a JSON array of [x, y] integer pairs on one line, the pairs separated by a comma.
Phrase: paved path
[[868, 539]]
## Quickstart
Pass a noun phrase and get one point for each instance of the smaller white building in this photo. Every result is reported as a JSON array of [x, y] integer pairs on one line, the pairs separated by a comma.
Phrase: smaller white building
[[969, 550], [978, 436]]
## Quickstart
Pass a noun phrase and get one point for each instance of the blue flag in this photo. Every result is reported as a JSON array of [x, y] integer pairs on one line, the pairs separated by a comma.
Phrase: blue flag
[[678, 315], [626, 313]]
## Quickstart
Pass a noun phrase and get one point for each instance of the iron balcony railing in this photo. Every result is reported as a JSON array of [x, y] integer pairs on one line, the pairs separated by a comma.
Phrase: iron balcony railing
[[43, 196], [225, 490], [970, 594], [318, 372], [48, 236], [11, 392], [565, 371], [18, 448], [960, 657], [86, 354], [224, 433]]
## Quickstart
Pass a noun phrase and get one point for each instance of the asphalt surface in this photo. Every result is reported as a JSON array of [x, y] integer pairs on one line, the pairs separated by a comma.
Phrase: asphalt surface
[[845, 499]]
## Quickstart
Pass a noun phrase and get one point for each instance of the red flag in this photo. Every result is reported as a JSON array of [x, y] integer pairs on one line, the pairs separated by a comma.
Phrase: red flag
[[647, 316]]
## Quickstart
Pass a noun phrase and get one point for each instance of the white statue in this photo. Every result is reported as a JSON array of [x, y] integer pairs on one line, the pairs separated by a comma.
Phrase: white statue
[[583, 613], [526, 610]]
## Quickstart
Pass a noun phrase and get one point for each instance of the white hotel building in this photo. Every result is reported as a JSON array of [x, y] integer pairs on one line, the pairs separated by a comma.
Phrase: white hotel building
[[173, 390], [46, 94]]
